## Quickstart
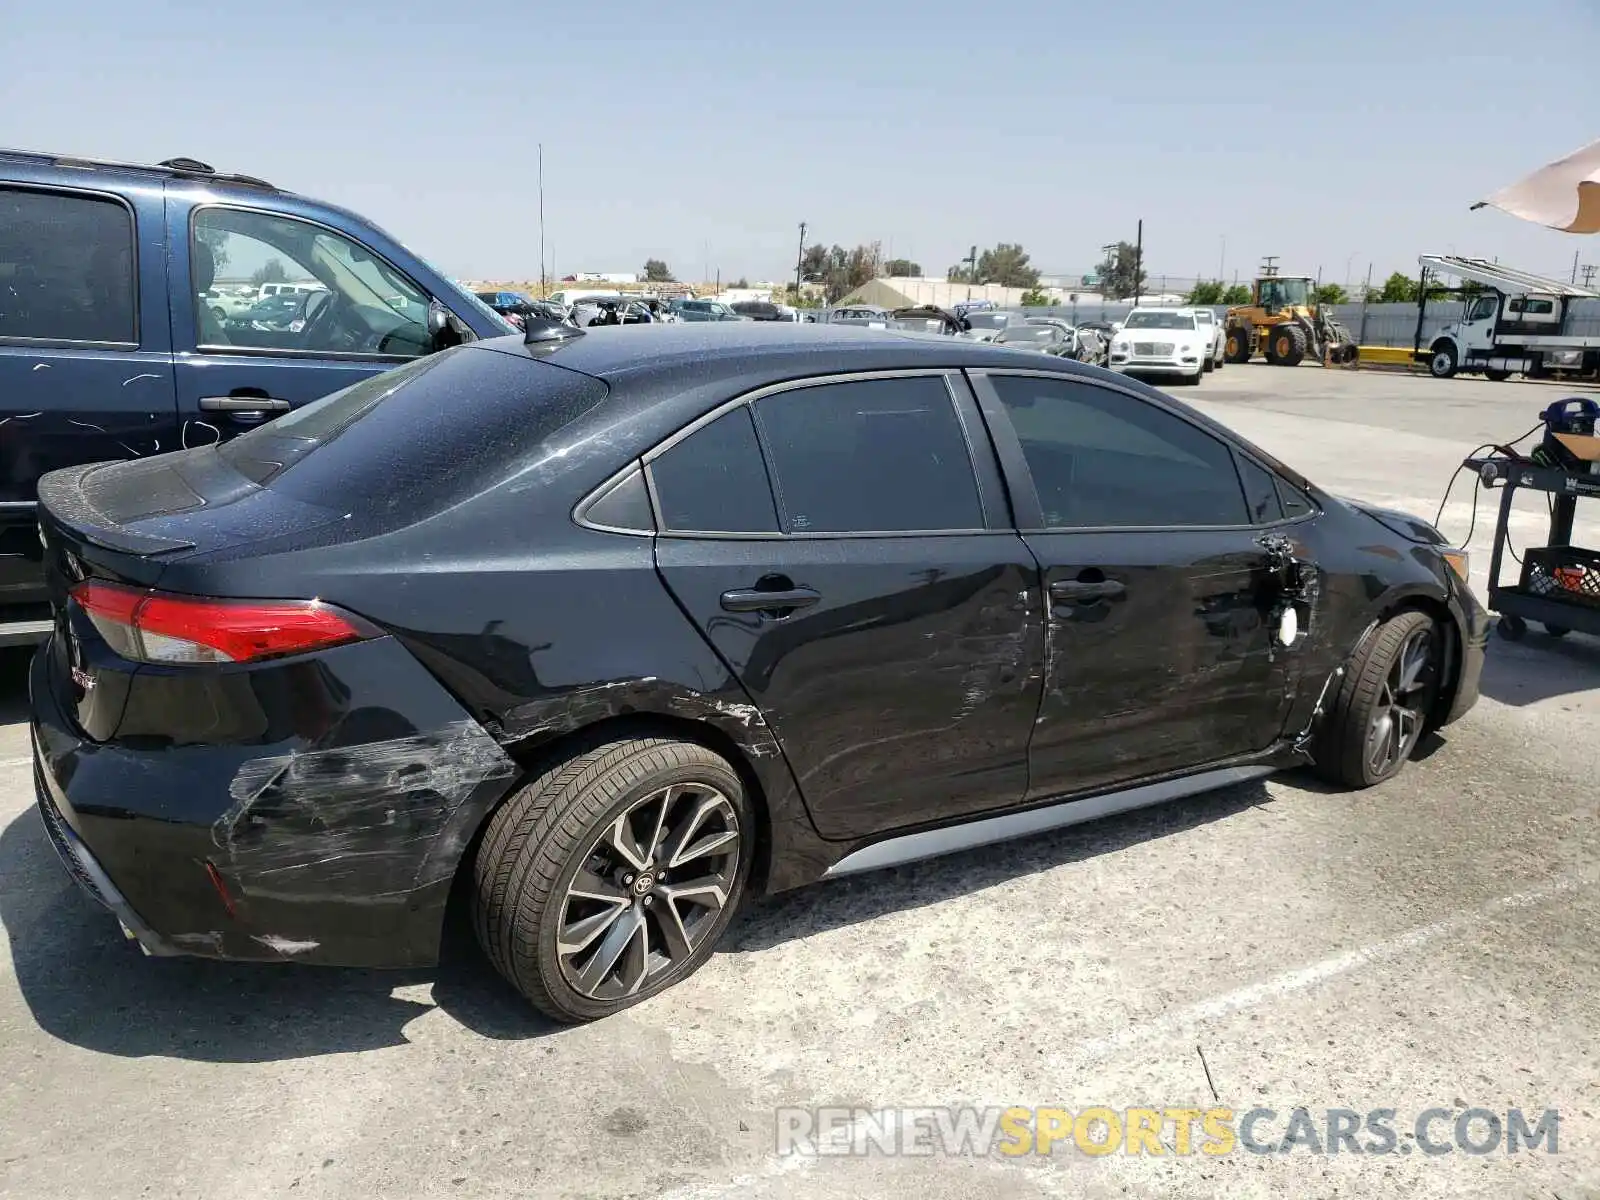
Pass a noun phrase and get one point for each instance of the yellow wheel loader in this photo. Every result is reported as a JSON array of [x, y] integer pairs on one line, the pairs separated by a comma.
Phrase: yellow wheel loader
[[1284, 323]]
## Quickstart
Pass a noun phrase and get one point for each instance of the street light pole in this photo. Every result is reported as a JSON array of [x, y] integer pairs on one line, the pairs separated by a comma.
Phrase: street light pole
[[544, 280], [799, 261]]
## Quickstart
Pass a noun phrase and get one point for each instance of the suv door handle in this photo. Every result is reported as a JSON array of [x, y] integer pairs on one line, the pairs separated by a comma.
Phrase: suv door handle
[[1086, 592], [242, 404], [759, 600]]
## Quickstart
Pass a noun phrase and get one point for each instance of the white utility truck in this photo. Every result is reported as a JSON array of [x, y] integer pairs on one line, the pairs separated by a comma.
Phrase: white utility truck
[[1513, 322]]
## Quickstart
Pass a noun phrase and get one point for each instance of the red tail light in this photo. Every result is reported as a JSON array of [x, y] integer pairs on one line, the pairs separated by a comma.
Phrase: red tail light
[[163, 627]]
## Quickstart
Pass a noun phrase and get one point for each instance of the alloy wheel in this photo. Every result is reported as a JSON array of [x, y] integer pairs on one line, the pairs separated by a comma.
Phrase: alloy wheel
[[1402, 704], [648, 891]]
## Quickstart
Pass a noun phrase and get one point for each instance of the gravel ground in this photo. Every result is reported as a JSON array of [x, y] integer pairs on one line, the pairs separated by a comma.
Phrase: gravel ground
[[1422, 944]]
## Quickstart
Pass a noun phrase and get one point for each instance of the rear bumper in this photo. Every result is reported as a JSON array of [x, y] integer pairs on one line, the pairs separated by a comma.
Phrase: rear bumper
[[337, 848]]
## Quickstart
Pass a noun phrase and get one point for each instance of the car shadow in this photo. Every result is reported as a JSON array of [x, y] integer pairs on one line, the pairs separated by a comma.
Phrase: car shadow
[[88, 985], [836, 904], [1540, 667]]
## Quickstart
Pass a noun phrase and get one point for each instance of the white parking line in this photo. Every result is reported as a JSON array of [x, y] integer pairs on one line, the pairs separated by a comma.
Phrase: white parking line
[[26, 760]]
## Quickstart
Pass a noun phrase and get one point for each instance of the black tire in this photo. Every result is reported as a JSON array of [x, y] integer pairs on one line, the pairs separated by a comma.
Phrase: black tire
[[1344, 751], [1286, 345], [1442, 361], [220, 314], [558, 823], [1208, 366], [1495, 375], [1513, 629], [1236, 346], [1556, 631]]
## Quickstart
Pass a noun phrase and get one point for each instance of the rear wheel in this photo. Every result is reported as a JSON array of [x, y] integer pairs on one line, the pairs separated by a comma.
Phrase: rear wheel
[[1376, 719], [1237, 347], [612, 875], [1286, 346]]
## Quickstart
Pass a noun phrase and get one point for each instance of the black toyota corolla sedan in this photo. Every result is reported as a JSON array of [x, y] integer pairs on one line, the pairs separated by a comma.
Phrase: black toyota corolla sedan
[[617, 628]]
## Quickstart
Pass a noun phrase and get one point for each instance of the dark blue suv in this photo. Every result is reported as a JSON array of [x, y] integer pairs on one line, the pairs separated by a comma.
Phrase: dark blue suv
[[133, 321]]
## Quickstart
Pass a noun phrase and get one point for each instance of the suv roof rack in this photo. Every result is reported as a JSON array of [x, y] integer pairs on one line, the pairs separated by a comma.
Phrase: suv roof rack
[[182, 168]]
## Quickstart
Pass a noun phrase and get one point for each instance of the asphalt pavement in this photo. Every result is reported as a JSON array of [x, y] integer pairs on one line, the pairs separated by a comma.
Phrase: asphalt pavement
[[1425, 944]]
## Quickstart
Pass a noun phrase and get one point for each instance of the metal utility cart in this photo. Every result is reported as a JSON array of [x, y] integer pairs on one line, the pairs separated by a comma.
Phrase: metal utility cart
[[1560, 583]]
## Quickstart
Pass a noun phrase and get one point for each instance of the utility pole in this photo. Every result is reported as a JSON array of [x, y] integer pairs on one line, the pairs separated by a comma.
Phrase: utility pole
[[1574, 266], [1589, 270], [972, 270], [1222, 259], [799, 259], [1138, 262], [544, 280], [1366, 298]]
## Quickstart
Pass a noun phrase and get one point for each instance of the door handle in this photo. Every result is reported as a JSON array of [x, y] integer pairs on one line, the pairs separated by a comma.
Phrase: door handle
[[242, 404], [760, 600], [1085, 592]]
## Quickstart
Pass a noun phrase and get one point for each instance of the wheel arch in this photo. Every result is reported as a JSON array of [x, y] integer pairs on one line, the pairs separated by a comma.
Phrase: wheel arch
[[1438, 608]]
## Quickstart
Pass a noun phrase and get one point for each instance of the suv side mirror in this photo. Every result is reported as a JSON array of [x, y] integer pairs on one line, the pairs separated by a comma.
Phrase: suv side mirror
[[442, 333]]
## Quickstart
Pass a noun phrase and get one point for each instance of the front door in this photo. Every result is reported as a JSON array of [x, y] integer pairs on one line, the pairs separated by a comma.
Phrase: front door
[[880, 611], [239, 364], [1160, 657], [85, 360]]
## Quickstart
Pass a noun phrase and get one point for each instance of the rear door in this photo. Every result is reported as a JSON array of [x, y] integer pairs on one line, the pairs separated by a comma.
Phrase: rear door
[[1159, 654], [85, 362], [845, 547], [235, 371]]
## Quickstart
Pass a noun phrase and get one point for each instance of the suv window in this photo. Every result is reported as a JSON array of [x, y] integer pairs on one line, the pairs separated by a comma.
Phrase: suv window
[[714, 481], [1101, 458], [345, 299], [872, 455], [66, 268]]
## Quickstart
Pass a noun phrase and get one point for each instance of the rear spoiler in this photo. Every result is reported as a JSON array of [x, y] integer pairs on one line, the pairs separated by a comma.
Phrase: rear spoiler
[[66, 497]]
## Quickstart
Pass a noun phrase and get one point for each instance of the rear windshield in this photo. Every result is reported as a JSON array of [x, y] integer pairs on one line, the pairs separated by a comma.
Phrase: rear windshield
[[418, 438]]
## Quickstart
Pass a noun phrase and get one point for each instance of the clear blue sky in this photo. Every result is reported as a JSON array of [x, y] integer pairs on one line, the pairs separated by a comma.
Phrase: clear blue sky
[[702, 133]]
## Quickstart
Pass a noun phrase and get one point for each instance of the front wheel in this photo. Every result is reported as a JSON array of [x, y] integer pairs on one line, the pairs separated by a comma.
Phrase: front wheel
[[612, 875], [1237, 347], [1442, 363], [1374, 723]]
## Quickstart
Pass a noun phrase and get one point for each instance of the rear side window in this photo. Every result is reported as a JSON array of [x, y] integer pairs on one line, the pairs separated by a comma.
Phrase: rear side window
[[412, 440], [714, 480], [1102, 459], [66, 268], [870, 456]]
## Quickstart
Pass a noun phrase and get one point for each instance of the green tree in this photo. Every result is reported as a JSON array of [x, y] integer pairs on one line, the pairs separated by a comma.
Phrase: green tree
[[814, 262], [1121, 274], [1331, 293], [740, 282], [1397, 289], [1206, 291], [1034, 298], [1238, 293], [271, 271], [1007, 264], [656, 271], [902, 267], [846, 270]]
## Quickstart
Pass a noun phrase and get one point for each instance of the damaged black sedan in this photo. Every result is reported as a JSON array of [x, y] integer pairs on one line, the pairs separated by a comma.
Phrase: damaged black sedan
[[612, 629]]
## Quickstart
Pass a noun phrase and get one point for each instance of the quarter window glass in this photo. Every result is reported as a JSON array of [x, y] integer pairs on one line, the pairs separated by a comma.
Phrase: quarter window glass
[[1100, 458], [714, 481], [1260, 493], [875, 455], [1294, 501], [274, 283], [66, 268]]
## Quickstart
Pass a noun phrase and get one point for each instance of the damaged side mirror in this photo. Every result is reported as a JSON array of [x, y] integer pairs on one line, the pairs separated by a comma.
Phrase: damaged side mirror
[[442, 330]]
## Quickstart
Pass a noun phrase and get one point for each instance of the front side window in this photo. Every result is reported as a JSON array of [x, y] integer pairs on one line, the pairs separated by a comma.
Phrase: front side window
[[301, 288], [1482, 308], [870, 456], [66, 268], [1104, 459]]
